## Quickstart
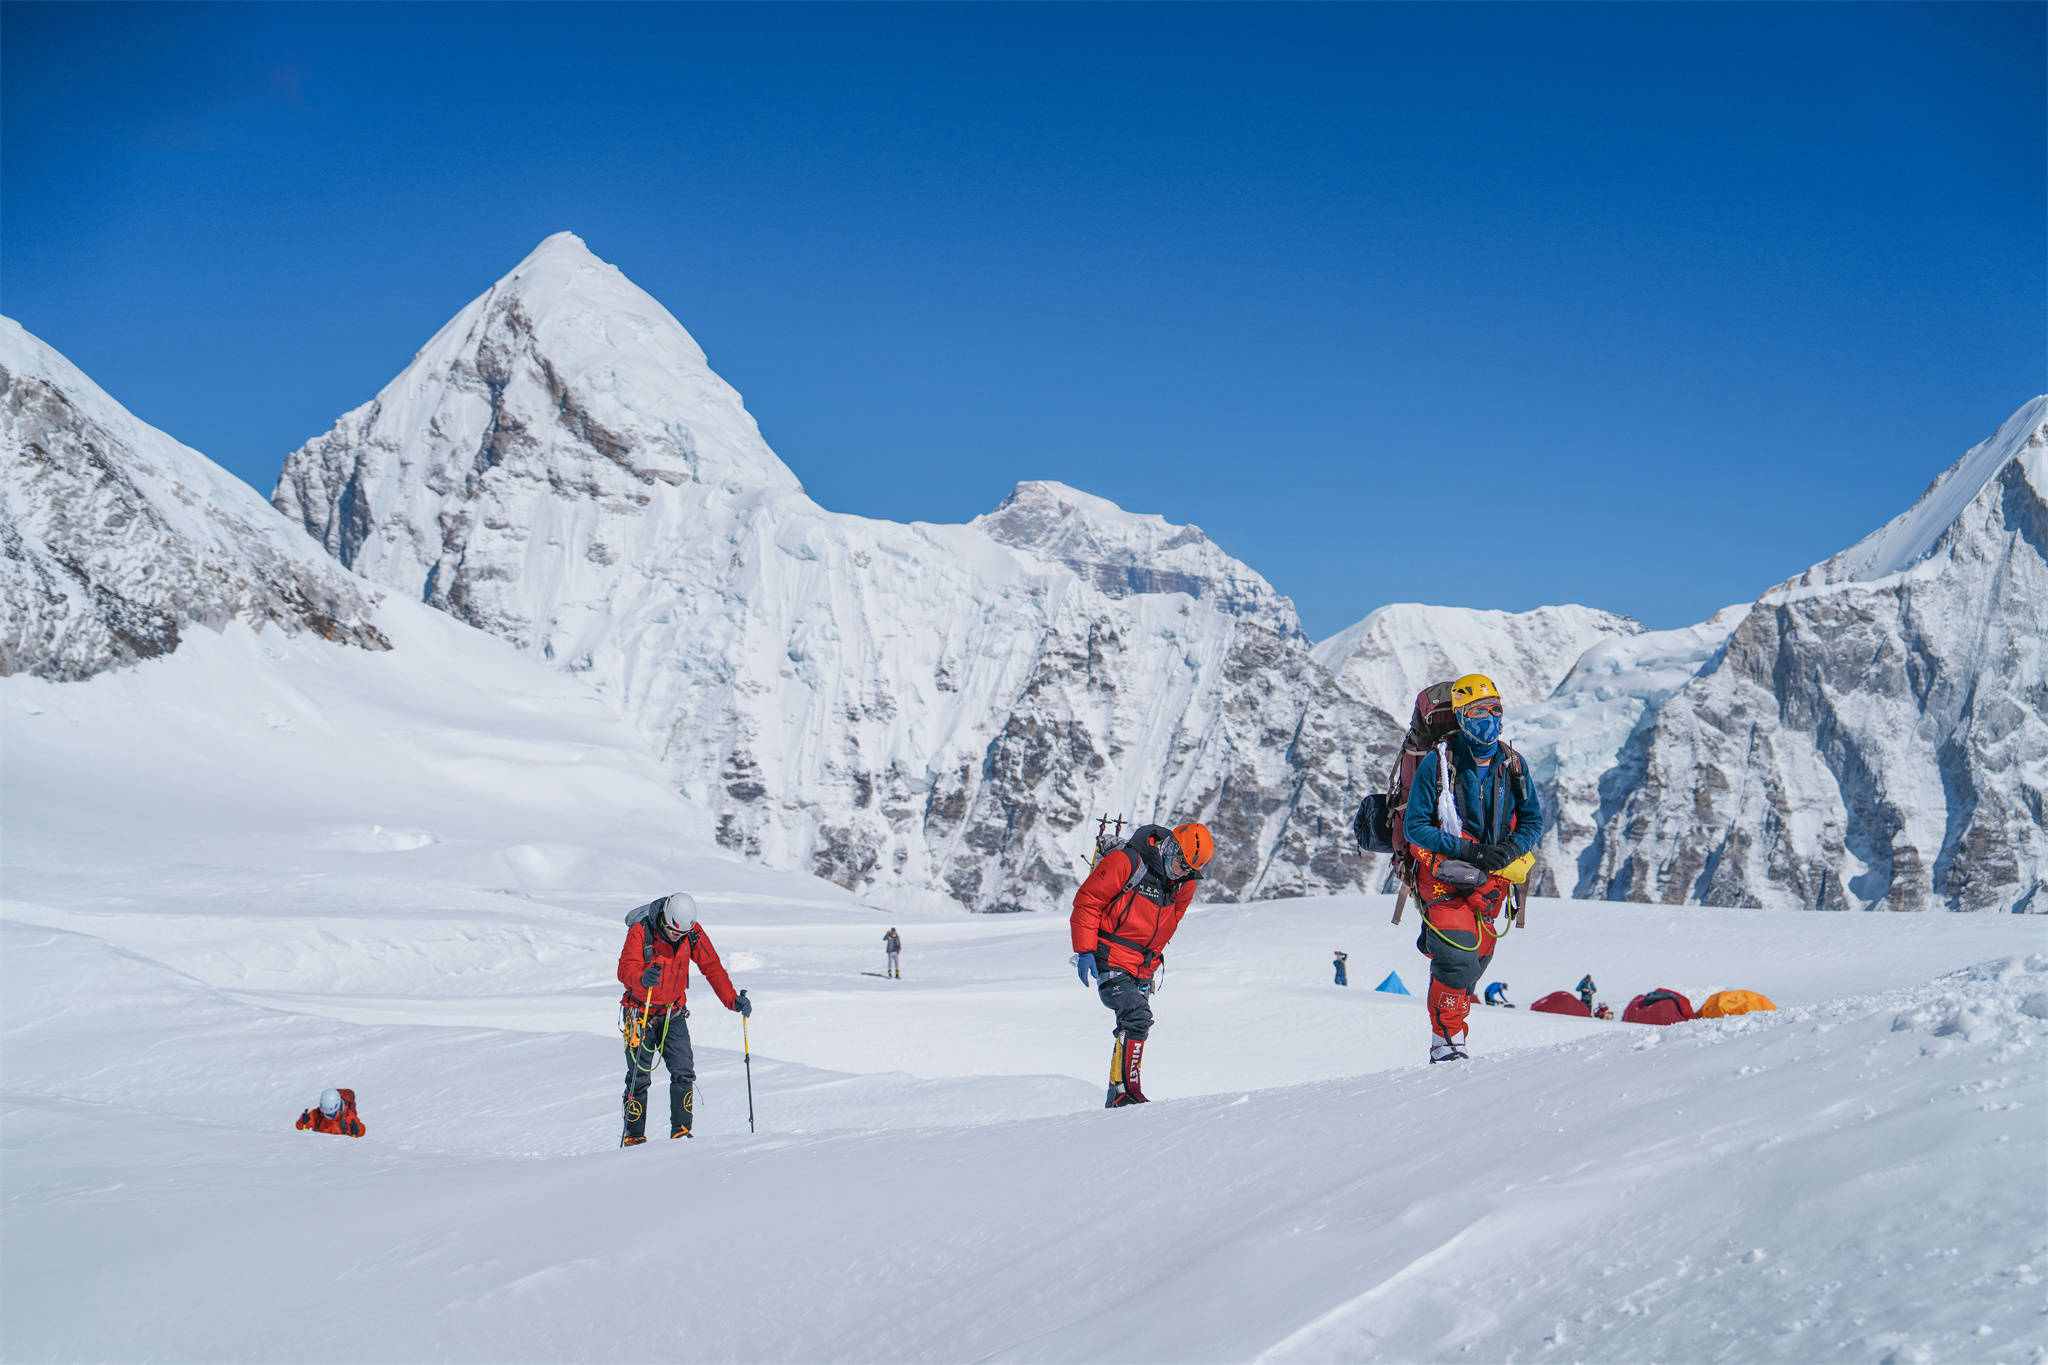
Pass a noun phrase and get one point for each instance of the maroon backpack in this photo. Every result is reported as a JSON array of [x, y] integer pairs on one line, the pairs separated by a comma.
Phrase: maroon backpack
[[1379, 823]]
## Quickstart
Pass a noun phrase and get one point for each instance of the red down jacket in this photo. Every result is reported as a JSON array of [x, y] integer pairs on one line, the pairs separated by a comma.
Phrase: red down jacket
[[344, 1124], [674, 959], [1105, 912]]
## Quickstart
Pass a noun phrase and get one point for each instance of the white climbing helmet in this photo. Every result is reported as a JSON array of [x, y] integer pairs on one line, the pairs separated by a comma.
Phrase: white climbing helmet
[[330, 1102], [678, 911]]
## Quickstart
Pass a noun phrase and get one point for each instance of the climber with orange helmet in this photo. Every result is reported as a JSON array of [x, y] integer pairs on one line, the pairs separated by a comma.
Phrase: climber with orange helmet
[[1124, 914], [1472, 824]]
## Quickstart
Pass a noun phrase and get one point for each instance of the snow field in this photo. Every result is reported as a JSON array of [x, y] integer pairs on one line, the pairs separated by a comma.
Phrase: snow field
[[413, 886]]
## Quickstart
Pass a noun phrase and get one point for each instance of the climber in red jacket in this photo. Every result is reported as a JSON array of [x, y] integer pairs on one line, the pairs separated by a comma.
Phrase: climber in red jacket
[[335, 1113], [1124, 914], [654, 967]]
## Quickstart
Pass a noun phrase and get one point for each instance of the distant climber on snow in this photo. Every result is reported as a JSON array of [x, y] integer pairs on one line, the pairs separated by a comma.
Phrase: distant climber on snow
[[334, 1113], [654, 967], [1585, 990], [1124, 913], [1342, 958], [892, 949], [1472, 822], [1497, 994]]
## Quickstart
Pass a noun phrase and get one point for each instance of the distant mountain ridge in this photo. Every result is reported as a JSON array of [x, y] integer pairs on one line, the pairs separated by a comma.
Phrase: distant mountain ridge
[[920, 710]]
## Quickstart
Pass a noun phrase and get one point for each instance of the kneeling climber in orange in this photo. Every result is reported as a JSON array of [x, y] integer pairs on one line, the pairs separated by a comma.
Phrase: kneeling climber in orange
[[1124, 913], [335, 1113], [1472, 824]]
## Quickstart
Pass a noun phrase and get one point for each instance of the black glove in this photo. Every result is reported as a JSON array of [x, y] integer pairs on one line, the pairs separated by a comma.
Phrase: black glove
[[1493, 857], [651, 977], [743, 1005]]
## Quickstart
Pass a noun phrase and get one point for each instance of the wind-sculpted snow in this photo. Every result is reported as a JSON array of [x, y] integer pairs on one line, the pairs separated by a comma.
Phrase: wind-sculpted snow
[[1398, 650], [1874, 734], [910, 709], [115, 540]]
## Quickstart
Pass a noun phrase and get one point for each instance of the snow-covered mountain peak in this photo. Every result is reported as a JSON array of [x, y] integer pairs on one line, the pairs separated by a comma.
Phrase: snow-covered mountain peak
[[115, 540], [1124, 553], [1401, 648], [1916, 533]]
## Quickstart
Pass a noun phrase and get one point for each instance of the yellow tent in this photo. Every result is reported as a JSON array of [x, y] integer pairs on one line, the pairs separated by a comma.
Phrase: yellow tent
[[1724, 1003]]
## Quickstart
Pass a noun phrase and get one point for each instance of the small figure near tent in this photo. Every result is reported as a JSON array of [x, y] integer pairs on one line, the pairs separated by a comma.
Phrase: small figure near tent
[[1497, 994], [1472, 824], [1560, 1002], [1342, 958], [892, 947], [1586, 990], [654, 967], [1124, 914], [1722, 1004], [1603, 1011], [1392, 985], [1661, 1006], [335, 1113]]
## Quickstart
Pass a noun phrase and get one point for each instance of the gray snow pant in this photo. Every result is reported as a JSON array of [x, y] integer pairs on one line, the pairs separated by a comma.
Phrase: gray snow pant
[[1132, 1001], [682, 1074]]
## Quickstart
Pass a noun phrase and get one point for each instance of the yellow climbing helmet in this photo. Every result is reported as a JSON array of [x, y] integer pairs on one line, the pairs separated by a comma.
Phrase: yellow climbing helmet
[[1470, 688]]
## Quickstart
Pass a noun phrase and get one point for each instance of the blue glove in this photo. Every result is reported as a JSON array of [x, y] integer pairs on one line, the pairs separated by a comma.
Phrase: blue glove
[[651, 977], [744, 1006], [1084, 963]]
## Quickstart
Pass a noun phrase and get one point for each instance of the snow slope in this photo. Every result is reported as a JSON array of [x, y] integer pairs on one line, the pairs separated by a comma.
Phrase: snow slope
[[902, 709]]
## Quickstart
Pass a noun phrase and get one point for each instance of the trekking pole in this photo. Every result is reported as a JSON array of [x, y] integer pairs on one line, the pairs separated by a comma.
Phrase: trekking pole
[[747, 1051], [1399, 901], [1521, 905]]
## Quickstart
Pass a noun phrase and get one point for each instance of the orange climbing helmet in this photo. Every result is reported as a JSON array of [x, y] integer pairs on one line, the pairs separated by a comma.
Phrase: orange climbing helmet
[[1196, 844]]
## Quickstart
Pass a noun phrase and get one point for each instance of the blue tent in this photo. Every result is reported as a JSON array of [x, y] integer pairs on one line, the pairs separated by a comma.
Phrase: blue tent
[[1392, 985]]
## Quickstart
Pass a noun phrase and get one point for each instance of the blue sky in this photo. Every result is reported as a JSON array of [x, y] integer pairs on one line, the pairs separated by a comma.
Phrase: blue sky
[[1640, 306]]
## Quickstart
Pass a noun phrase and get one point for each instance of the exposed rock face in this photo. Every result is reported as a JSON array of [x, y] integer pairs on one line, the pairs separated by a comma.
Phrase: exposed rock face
[[1870, 734], [115, 540], [899, 708], [1874, 734]]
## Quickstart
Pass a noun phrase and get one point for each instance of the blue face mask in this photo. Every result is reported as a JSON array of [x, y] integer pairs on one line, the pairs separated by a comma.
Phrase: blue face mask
[[1482, 731]]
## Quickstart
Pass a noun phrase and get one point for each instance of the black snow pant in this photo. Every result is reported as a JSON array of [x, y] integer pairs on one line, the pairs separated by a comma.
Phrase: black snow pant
[[1132, 1001], [672, 1048], [1456, 966]]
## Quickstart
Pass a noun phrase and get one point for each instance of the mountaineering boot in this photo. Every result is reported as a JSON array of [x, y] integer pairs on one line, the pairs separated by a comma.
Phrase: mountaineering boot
[[636, 1122], [681, 1113], [1448, 1009], [630, 1141]]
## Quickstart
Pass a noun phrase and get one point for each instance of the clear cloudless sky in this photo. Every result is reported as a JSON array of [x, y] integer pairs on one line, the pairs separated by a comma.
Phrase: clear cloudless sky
[[1643, 306]]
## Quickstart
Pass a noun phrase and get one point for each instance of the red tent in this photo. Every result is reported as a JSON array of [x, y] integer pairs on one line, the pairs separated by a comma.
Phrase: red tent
[[1563, 1002], [1661, 1006]]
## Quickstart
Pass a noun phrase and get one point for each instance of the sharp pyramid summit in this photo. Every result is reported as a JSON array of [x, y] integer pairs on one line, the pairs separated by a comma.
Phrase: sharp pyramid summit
[[899, 708], [115, 540], [1873, 734]]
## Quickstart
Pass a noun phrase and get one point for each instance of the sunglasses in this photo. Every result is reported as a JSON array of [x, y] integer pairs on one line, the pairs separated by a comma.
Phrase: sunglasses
[[1481, 708]]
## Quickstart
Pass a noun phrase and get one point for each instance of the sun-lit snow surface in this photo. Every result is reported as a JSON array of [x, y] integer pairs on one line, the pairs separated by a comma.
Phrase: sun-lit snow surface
[[268, 864], [904, 708]]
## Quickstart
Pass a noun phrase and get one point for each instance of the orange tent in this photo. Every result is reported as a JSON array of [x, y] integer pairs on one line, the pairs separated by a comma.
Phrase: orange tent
[[1723, 1003]]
